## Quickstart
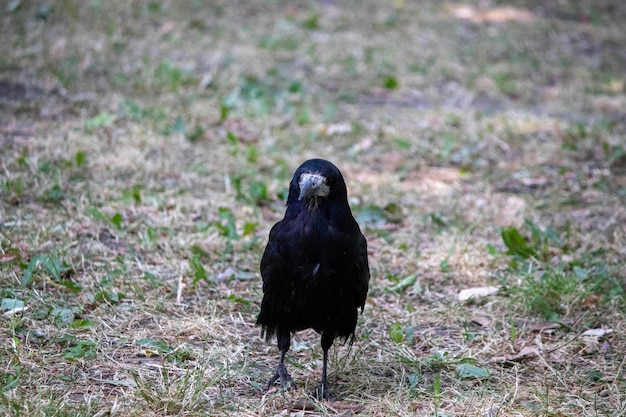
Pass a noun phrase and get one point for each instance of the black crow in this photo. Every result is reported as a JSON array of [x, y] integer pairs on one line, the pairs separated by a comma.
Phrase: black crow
[[314, 268]]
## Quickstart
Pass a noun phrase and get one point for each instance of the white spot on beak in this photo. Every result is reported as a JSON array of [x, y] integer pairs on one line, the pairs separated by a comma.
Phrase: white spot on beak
[[313, 185]]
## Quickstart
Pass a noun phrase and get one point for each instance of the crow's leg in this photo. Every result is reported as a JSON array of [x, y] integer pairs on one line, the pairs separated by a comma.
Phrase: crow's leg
[[321, 393], [284, 341]]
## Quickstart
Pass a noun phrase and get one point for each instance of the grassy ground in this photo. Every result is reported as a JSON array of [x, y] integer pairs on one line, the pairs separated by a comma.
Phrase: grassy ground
[[146, 148]]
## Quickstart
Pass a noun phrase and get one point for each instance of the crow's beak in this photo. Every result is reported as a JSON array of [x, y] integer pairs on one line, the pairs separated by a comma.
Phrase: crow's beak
[[313, 185]]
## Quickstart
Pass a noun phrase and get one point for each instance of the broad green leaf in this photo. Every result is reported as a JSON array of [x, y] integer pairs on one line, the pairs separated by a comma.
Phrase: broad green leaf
[[157, 345], [80, 349], [50, 264], [396, 333], [467, 371], [62, 316], [27, 276], [595, 375], [372, 216], [83, 324], [414, 379], [11, 304], [71, 285], [516, 243], [581, 273], [112, 297], [531, 405]]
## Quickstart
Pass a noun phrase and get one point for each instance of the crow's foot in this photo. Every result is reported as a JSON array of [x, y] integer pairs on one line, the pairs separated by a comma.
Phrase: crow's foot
[[321, 393], [284, 377]]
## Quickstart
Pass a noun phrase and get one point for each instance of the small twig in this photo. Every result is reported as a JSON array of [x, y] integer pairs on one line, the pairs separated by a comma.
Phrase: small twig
[[179, 290], [567, 342]]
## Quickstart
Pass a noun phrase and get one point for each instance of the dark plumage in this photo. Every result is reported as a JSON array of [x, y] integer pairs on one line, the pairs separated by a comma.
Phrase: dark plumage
[[314, 268]]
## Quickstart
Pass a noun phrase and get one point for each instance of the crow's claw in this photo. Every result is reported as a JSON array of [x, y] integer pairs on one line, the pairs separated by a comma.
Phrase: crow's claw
[[284, 377]]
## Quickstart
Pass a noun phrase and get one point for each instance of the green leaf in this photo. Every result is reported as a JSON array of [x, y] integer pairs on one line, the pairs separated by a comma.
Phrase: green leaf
[[54, 266], [133, 193], [44, 10], [390, 82], [50, 264], [396, 333], [80, 349], [402, 143], [258, 191], [581, 273], [9, 304], [437, 388], [253, 154], [197, 269], [27, 276], [439, 220], [152, 344], [249, 228], [83, 324], [469, 371], [12, 6], [403, 284], [196, 134], [409, 333], [117, 220], [102, 120], [179, 125], [152, 278], [71, 285], [112, 297], [595, 376], [227, 224], [198, 251], [372, 216], [80, 158], [232, 138], [516, 244], [311, 23], [238, 299], [62, 316], [224, 110], [10, 376], [53, 194], [531, 405]]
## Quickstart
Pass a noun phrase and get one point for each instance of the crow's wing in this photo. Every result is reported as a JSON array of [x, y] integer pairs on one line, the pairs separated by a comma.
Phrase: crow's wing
[[363, 271]]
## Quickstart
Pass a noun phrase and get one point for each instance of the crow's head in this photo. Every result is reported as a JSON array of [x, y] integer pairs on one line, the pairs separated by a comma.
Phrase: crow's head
[[315, 181]]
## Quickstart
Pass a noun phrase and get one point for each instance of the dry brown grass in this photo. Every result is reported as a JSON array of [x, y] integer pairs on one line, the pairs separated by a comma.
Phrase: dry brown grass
[[126, 126]]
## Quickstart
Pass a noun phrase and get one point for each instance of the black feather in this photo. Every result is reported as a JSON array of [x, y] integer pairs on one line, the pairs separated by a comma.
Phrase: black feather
[[314, 268]]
